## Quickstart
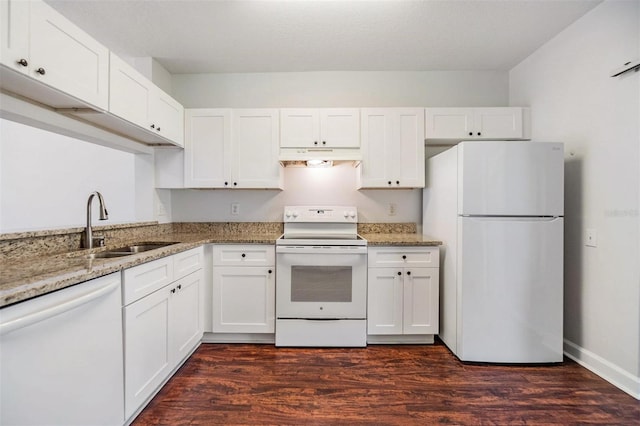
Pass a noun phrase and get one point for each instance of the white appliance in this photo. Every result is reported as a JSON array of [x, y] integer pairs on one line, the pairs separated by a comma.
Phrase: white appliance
[[498, 208], [61, 357], [321, 280]]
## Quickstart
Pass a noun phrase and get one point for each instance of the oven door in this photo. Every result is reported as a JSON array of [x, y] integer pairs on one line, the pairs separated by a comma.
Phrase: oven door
[[324, 282]]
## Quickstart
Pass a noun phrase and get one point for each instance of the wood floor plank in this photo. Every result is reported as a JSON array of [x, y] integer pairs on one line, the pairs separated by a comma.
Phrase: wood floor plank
[[381, 385]]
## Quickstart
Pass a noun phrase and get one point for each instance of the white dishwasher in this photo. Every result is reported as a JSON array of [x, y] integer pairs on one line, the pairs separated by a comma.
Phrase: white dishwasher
[[61, 357]]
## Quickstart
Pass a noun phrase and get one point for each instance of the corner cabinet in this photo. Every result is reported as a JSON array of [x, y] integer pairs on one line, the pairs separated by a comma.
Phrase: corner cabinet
[[244, 289], [320, 128], [403, 292], [53, 53], [477, 123], [227, 148], [163, 322], [392, 148]]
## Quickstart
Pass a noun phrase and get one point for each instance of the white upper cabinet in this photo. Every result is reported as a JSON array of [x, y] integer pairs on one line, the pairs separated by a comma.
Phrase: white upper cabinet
[[52, 51], [130, 93], [227, 148], [137, 100], [477, 123], [206, 146], [255, 148], [318, 128], [392, 148], [167, 116], [14, 35]]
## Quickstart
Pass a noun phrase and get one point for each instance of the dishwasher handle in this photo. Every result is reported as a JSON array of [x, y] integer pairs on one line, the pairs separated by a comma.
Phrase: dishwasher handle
[[52, 311]]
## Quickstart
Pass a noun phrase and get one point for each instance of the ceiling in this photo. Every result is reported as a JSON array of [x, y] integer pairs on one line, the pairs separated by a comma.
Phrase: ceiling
[[205, 36]]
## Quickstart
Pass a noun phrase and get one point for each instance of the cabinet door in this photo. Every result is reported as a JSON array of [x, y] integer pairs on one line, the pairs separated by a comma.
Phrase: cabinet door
[[299, 128], [146, 348], [186, 316], [384, 301], [243, 299], [449, 123], [340, 127], [167, 116], [408, 143], [14, 34], [207, 148], [255, 148], [421, 301], [498, 123], [129, 93], [71, 61], [377, 148]]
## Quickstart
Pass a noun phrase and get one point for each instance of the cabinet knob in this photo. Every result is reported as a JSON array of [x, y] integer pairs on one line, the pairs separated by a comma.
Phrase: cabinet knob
[[470, 133], [158, 129], [179, 286], [244, 255], [41, 71], [389, 182], [153, 126], [399, 273], [315, 142], [479, 134], [270, 271], [226, 183], [235, 183], [173, 290], [408, 272], [404, 256], [324, 142], [397, 182], [23, 62]]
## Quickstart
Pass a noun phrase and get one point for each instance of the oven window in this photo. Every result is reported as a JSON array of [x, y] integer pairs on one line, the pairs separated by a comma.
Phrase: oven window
[[321, 283]]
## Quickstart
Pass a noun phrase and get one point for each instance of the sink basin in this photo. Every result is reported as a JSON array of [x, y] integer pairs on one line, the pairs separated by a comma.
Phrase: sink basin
[[128, 250], [141, 247]]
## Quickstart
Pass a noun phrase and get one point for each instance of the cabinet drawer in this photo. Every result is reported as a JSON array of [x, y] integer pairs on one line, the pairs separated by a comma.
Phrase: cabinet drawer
[[404, 256], [247, 255], [142, 280], [187, 262]]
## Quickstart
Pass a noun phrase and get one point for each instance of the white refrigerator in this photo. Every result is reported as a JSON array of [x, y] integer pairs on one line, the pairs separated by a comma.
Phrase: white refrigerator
[[498, 207]]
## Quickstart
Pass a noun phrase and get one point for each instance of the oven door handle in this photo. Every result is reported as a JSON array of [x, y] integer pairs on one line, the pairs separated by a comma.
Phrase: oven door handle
[[321, 249]]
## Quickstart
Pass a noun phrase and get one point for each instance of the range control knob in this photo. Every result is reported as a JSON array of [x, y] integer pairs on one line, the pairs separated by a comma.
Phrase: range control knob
[[346, 214], [288, 214], [352, 214], [295, 214]]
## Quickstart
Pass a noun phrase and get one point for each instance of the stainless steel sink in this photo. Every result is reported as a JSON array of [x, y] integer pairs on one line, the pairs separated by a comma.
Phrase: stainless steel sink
[[129, 250]]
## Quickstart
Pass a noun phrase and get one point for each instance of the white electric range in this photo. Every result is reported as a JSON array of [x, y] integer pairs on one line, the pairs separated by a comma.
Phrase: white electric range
[[321, 281]]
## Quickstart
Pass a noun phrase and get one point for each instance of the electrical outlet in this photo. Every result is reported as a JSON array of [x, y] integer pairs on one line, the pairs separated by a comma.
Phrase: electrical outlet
[[591, 238], [392, 209], [235, 209]]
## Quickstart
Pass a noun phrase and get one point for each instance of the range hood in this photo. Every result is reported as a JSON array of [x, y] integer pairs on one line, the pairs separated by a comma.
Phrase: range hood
[[298, 157]]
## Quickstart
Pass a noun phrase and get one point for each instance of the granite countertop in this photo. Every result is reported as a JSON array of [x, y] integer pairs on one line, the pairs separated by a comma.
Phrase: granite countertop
[[37, 275], [399, 239]]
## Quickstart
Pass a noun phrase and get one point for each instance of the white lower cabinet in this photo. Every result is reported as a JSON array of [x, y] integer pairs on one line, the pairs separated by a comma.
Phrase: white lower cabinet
[[162, 327], [243, 289], [402, 303]]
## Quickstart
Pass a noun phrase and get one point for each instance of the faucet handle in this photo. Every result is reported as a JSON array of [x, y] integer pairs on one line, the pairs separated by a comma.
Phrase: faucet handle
[[99, 241]]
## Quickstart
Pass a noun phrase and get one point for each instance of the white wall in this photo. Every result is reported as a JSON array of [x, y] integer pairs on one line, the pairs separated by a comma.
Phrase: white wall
[[324, 89], [46, 178], [573, 100]]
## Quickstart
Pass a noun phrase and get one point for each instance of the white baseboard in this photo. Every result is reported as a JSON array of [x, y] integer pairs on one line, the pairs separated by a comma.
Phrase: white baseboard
[[613, 374], [259, 338]]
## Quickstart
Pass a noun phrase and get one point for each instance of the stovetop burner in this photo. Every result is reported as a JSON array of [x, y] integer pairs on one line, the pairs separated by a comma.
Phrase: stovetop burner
[[321, 225]]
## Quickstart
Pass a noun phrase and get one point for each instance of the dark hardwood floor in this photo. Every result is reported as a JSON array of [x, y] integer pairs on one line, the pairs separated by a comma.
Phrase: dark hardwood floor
[[394, 385]]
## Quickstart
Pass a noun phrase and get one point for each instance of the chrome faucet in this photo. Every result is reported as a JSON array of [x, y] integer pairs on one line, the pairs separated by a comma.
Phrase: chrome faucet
[[104, 215]]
